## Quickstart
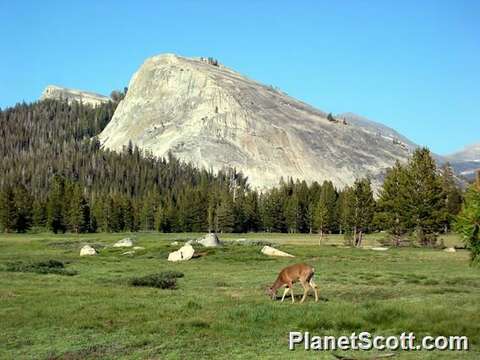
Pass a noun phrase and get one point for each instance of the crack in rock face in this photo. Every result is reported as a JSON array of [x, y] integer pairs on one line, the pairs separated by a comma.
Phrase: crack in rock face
[[213, 117]]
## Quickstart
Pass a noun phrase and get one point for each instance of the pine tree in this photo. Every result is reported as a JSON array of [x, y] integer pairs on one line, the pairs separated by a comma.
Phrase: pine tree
[[361, 207], [56, 205], [321, 219], [425, 199], [453, 195], [39, 214], [393, 203], [7, 210], [225, 215], [128, 215], [23, 207], [468, 221], [291, 214], [78, 212], [252, 212]]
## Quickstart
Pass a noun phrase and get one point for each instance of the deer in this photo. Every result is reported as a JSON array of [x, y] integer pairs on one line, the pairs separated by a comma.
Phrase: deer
[[291, 274]]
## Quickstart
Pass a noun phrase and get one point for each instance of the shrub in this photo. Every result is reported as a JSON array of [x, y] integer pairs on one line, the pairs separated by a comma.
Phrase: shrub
[[41, 267], [163, 280]]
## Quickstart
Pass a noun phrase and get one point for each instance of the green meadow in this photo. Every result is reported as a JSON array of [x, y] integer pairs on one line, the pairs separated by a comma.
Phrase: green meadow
[[219, 308]]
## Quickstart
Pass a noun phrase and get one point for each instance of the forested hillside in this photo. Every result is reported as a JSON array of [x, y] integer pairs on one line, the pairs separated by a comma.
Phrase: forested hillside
[[55, 176]]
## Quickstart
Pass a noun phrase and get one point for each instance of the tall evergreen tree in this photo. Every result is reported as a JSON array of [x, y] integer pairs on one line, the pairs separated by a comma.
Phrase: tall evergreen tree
[[361, 208], [393, 203], [23, 209], [7, 210], [78, 212], [56, 205], [468, 221], [453, 195], [425, 197], [224, 214]]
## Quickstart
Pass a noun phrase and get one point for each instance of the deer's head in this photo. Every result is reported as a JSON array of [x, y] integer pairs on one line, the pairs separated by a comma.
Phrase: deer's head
[[271, 292]]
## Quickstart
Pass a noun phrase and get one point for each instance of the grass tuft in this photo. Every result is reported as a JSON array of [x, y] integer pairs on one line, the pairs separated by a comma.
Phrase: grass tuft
[[163, 280], [41, 267]]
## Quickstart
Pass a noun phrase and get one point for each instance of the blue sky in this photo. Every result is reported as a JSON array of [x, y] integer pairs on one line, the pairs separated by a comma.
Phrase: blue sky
[[412, 65]]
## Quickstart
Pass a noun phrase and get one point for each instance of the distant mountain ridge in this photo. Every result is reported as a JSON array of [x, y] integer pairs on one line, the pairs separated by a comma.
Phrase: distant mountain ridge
[[63, 93], [467, 161]]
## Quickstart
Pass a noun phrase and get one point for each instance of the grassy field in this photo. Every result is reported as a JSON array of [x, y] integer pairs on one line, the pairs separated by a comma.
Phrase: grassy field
[[219, 309]]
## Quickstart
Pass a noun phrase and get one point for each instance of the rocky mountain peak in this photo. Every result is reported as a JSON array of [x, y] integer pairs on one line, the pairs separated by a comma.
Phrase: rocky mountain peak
[[212, 116]]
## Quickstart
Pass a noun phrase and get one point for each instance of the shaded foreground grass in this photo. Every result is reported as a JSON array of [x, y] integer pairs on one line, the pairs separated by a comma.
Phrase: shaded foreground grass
[[219, 309]]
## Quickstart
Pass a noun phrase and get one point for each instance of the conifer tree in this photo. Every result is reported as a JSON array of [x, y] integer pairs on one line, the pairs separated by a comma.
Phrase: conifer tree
[[56, 205], [453, 195], [425, 198], [291, 214], [7, 210], [252, 212], [225, 215], [468, 221], [39, 214], [393, 203], [78, 212], [360, 207]]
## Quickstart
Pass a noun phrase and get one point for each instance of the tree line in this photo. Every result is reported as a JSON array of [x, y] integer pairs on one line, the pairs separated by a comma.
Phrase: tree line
[[56, 177]]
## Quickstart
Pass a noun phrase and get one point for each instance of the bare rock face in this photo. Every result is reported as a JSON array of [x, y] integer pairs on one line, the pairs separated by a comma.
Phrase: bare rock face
[[213, 117], [61, 93]]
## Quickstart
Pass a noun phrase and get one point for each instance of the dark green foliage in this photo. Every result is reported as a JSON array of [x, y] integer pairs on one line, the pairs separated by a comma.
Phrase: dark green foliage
[[7, 209], [416, 199], [453, 196], [163, 280], [359, 210], [468, 222], [41, 267]]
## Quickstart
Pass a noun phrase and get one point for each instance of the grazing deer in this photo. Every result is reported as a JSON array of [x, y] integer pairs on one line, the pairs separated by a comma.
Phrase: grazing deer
[[290, 275]]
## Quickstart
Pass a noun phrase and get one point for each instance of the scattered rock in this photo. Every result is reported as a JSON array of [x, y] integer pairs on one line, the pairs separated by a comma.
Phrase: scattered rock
[[450, 250], [184, 253], [127, 242], [138, 248], [379, 248], [210, 240], [87, 250], [270, 251], [131, 252], [175, 243]]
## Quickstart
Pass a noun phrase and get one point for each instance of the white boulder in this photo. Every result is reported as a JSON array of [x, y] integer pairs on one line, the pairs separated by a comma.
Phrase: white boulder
[[182, 254], [450, 250], [87, 250], [127, 242], [210, 240], [270, 251]]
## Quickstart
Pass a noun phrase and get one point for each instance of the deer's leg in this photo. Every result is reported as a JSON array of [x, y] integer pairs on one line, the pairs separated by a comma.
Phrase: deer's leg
[[314, 287], [290, 286], [305, 290], [285, 293]]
